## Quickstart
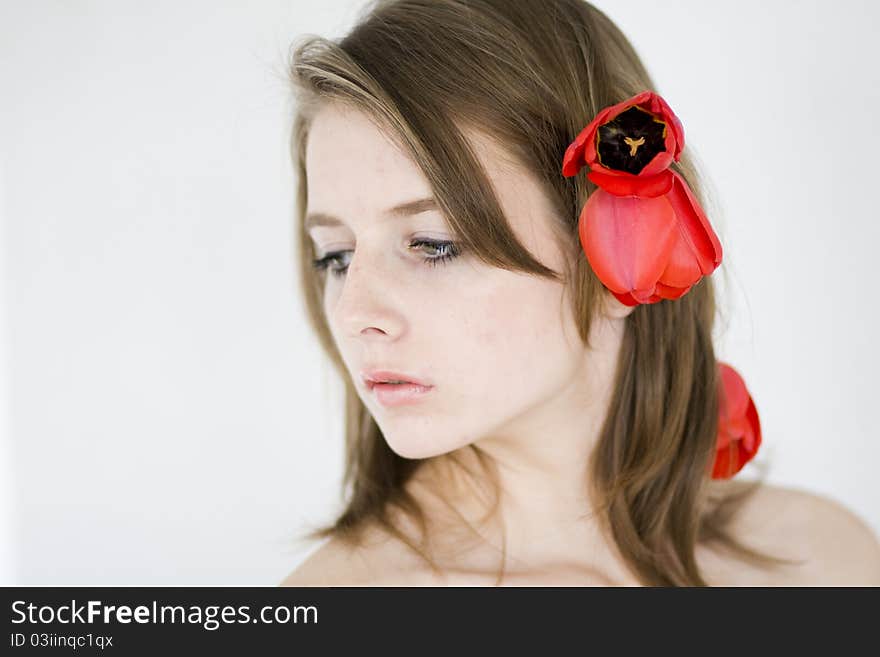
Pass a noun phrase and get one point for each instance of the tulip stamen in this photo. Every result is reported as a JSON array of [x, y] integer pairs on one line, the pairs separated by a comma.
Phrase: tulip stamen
[[633, 144]]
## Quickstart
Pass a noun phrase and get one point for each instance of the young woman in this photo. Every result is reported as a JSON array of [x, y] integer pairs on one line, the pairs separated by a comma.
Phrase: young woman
[[549, 434]]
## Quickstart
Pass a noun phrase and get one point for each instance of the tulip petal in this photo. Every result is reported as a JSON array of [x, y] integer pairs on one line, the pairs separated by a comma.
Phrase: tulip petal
[[574, 160], [629, 300], [582, 150], [755, 422], [695, 227], [683, 269], [627, 240], [736, 395], [675, 136], [725, 465], [724, 436], [671, 292], [625, 184], [626, 298], [739, 428]]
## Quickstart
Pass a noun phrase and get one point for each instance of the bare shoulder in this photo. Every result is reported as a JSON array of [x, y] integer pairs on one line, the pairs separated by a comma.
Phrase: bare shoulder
[[833, 545], [841, 547], [334, 563], [378, 561]]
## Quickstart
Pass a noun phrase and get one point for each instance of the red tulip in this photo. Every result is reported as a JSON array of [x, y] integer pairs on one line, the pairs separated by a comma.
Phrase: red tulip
[[643, 231], [739, 429]]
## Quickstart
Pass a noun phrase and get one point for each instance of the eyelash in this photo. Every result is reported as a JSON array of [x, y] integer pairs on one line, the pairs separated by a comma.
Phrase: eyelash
[[453, 251]]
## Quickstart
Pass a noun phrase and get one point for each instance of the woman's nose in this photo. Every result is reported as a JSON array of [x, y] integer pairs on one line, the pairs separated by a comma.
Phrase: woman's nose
[[368, 304]]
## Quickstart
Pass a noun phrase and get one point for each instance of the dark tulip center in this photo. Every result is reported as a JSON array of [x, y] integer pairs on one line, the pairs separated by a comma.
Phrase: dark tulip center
[[630, 140]]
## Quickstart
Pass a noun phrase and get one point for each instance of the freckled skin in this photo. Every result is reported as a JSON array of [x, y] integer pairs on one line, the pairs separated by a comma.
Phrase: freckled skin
[[500, 347], [492, 341]]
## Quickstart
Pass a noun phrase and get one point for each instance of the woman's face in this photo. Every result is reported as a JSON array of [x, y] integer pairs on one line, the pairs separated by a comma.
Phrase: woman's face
[[498, 348]]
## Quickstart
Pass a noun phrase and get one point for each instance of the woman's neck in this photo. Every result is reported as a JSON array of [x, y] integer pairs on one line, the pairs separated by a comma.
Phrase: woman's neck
[[542, 510]]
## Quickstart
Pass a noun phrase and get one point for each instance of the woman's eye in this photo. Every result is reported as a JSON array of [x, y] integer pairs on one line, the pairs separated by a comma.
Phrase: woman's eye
[[321, 264], [436, 252]]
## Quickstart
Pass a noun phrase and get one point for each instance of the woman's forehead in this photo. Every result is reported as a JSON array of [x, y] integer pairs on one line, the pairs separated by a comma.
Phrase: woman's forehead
[[353, 166]]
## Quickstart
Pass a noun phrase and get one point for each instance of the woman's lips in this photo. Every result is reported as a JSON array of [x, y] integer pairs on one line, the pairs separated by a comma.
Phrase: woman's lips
[[399, 394]]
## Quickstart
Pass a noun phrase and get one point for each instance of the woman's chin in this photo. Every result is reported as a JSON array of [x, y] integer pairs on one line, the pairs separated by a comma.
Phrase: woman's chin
[[417, 448]]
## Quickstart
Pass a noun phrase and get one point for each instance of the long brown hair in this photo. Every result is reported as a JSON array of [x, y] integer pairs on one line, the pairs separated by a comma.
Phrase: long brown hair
[[531, 75]]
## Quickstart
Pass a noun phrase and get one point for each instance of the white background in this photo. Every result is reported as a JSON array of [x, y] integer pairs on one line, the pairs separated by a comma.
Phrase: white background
[[166, 416]]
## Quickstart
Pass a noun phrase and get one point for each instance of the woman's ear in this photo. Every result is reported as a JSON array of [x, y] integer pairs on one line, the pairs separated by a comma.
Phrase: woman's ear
[[614, 309]]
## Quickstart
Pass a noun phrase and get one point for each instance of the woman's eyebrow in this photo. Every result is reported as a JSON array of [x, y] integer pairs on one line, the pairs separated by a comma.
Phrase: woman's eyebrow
[[402, 210]]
